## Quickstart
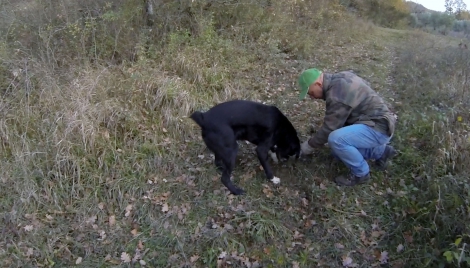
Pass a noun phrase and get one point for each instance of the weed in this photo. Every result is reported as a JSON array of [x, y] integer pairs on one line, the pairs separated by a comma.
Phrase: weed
[[100, 165]]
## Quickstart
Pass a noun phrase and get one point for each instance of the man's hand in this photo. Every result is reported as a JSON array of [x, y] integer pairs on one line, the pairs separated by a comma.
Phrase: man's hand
[[305, 149]]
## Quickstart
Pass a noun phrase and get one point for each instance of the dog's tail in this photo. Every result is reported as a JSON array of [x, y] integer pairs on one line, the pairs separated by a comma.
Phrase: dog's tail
[[198, 117]]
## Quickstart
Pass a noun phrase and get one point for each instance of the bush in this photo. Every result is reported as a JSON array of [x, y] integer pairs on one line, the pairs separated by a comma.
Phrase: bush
[[434, 131]]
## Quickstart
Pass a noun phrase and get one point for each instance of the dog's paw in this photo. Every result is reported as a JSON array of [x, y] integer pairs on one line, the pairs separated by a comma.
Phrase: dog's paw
[[276, 180], [238, 191]]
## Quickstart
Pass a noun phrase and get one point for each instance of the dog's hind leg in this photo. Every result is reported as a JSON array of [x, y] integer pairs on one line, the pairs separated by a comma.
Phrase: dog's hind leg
[[218, 163], [229, 164], [225, 152]]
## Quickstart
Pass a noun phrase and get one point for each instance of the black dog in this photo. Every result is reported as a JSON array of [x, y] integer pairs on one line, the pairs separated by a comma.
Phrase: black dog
[[263, 125]]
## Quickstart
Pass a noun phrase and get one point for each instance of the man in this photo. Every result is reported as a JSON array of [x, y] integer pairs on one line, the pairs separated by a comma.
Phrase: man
[[357, 124]]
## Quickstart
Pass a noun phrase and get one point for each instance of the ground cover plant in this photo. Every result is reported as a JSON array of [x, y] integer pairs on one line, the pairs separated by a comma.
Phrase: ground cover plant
[[100, 165]]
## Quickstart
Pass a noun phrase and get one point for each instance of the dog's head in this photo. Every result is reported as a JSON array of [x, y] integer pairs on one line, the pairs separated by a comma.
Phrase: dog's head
[[287, 141], [288, 148]]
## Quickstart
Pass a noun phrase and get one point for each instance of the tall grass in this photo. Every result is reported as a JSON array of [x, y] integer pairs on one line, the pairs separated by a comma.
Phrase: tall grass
[[433, 134], [99, 161], [95, 138]]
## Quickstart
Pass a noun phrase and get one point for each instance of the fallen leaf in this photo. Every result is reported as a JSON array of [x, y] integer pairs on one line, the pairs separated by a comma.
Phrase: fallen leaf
[[400, 248], [49, 217], [134, 232], [105, 134], [125, 257], [383, 257], [140, 245], [103, 235], [101, 205], [165, 207], [112, 220], [128, 213], [30, 252], [268, 192], [142, 262], [297, 235], [305, 202], [347, 261], [339, 246], [79, 260], [194, 258], [295, 264], [28, 228], [228, 226], [223, 255], [398, 264], [137, 256], [375, 234], [408, 237], [91, 220]]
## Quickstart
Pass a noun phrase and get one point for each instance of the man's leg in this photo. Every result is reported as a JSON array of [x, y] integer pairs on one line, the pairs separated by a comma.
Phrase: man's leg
[[386, 151], [354, 144]]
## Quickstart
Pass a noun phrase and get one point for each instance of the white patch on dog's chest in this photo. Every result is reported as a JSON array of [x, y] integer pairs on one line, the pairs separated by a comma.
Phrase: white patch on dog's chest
[[274, 157]]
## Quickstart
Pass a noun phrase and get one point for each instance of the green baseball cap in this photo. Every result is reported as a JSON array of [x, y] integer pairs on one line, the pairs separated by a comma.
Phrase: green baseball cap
[[306, 79]]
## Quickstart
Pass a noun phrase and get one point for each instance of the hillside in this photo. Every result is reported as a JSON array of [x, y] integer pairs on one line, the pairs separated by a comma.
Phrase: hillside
[[101, 166], [417, 8]]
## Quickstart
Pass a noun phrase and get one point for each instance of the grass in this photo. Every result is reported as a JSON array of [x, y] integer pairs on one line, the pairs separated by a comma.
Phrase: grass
[[101, 167]]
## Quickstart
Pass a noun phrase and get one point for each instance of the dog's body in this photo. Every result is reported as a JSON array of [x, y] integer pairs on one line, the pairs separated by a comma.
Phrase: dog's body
[[263, 125]]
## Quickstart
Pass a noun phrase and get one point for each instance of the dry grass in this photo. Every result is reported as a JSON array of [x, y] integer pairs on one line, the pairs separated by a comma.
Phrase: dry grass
[[100, 165]]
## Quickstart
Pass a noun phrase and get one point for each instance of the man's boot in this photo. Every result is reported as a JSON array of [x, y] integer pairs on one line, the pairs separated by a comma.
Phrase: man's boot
[[388, 154], [351, 179]]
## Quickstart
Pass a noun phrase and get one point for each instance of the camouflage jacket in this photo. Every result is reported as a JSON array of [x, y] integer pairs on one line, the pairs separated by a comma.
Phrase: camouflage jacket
[[350, 100]]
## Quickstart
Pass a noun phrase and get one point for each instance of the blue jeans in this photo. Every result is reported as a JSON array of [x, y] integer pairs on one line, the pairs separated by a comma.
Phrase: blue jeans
[[355, 144]]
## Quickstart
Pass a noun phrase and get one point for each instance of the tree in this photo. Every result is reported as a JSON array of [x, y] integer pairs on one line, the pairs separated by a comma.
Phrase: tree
[[464, 15], [456, 7], [449, 5], [435, 20]]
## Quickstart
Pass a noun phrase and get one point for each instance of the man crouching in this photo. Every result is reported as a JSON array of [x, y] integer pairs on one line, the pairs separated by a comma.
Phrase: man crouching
[[357, 126]]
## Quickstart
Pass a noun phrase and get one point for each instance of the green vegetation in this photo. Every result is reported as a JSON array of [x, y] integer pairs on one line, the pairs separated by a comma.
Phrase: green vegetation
[[454, 21], [101, 167]]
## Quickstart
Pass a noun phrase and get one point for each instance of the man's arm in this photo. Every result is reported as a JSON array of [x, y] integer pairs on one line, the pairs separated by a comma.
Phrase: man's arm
[[335, 117]]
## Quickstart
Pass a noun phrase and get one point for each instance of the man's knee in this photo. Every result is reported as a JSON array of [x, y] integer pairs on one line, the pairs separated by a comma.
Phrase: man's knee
[[335, 138]]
